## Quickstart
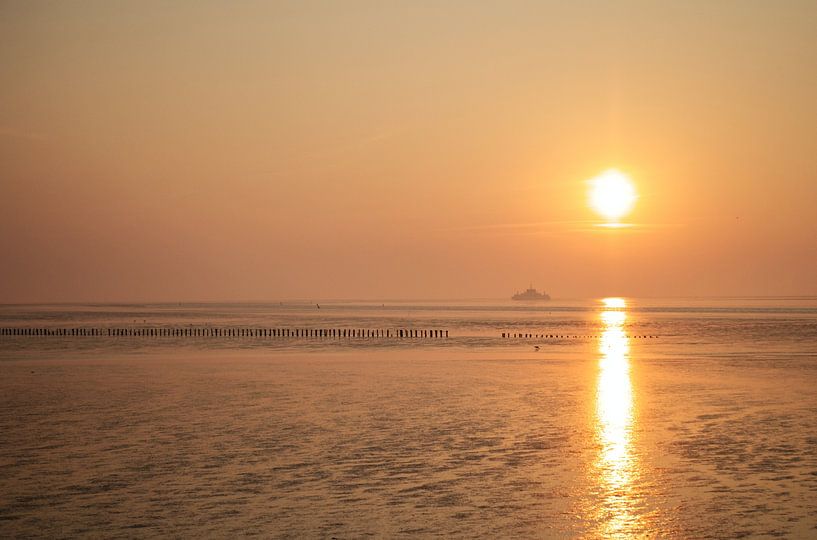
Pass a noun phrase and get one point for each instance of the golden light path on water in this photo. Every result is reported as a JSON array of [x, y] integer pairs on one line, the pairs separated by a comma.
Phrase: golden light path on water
[[616, 465]]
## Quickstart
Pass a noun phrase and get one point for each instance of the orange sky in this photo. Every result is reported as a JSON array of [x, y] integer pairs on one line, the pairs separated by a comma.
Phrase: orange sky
[[280, 150]]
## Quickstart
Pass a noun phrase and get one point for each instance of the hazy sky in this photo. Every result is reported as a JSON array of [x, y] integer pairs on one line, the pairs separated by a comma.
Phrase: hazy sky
[[172, 151]]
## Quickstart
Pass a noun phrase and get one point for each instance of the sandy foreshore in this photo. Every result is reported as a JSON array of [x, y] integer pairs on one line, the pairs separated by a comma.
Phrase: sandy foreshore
[[391, 443]]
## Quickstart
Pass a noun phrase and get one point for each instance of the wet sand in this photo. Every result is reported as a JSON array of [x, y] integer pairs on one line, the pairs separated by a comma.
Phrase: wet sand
[[406, 443]]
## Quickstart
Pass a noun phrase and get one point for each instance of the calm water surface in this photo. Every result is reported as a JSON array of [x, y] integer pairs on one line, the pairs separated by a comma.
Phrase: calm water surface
[[708, 430]]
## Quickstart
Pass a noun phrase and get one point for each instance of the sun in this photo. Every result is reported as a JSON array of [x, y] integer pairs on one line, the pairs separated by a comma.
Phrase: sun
[[612, 194]]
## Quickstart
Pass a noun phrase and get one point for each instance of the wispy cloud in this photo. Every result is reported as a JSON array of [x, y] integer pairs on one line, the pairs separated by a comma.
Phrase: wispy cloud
[[558, 227], [515, 226]]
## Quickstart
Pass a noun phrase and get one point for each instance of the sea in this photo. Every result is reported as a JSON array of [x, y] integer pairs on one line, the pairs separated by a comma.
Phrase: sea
[[591, 418]]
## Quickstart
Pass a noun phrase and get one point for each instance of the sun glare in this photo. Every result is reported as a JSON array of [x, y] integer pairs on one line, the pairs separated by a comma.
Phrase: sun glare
[[617, 466], [612, 194], [614, 303]]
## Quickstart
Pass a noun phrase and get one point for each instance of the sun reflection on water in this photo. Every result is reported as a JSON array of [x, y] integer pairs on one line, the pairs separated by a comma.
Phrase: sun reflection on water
[[616, 466]]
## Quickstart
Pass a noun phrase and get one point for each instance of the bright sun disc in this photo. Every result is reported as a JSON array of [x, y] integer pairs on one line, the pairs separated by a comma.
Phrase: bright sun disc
[[612, 194]]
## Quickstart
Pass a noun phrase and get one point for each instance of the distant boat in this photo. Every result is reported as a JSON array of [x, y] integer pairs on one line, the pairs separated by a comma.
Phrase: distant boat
[[531, 294]]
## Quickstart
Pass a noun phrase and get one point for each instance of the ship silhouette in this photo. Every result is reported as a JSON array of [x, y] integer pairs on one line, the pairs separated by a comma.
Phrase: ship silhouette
[[531, 294]]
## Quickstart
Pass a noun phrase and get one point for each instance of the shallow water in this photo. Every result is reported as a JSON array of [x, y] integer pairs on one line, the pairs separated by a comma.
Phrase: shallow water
[[709, 430]]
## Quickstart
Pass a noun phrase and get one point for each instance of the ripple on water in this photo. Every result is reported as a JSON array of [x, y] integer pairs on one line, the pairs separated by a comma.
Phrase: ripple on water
[[387, 444]]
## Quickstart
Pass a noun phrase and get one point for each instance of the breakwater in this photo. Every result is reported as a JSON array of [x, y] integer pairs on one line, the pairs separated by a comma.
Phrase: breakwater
[[230, 332]]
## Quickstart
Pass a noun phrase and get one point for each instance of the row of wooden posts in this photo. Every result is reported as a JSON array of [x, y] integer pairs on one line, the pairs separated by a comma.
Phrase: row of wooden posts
[[207, 331], [517, 335]]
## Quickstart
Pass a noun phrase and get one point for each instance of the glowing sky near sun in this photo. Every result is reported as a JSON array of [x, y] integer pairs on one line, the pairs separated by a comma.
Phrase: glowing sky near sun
[[262, 151]]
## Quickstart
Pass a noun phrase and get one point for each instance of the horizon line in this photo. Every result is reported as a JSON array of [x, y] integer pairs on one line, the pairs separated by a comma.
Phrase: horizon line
[[310, 301]]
